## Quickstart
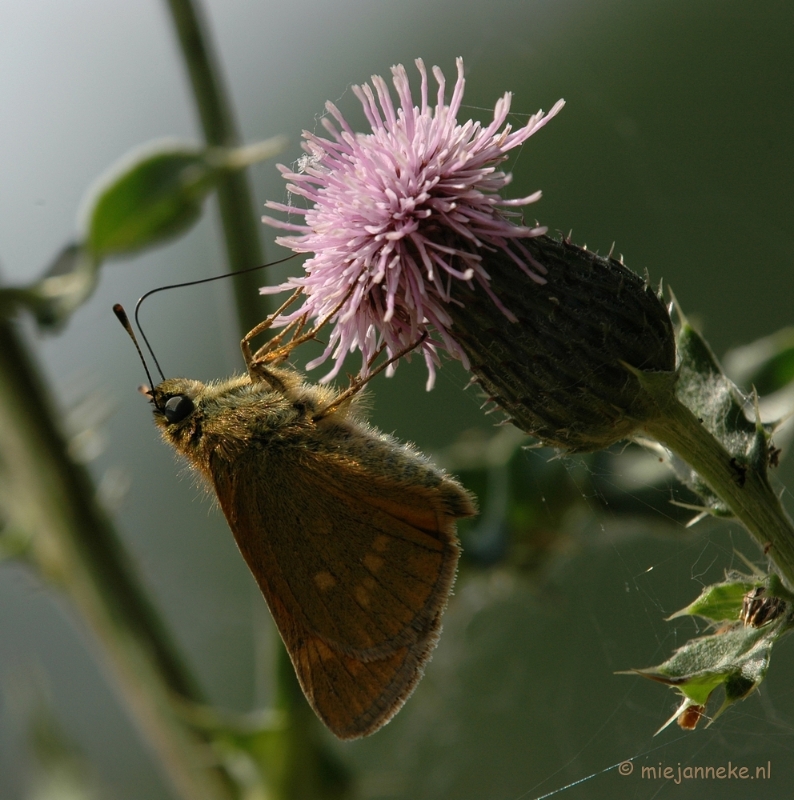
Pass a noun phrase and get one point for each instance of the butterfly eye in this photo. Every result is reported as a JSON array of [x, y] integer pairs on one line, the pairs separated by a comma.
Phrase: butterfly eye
[[177, 408]]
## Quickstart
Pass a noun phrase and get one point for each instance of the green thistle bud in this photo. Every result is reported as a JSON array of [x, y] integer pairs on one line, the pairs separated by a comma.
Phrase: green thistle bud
[[565, 371]]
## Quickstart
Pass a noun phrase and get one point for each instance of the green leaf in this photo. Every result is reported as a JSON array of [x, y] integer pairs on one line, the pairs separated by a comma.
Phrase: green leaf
[[701, 665], [767, 364], [150, 197], [69, 280], [722, 601], [157, 192]]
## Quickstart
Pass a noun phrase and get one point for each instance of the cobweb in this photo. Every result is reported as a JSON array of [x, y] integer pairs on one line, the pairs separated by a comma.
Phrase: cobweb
[[522, 701], [660, 574]]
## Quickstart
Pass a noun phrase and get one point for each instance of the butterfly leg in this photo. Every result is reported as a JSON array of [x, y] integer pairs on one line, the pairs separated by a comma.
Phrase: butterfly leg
[[274, 351], [357, 384], [263, 364], [271, 350], [245, 344]]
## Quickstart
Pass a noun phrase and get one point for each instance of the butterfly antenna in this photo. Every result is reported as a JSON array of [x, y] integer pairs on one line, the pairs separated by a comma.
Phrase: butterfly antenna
[[180, 286], [122, 317]]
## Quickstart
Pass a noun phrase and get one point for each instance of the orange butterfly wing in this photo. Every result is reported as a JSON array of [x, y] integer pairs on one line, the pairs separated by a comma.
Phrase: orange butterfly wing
[[356, 564]]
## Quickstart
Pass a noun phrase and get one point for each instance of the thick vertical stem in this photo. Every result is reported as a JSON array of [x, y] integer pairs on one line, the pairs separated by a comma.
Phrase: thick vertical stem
[[74, 546], [240, 223]]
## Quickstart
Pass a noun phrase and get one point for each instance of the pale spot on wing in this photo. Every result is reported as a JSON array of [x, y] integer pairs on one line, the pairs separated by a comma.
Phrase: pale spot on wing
[[324, 581], [362, 596], [369, 583], [381, 543], [372, 562], [323, 651]]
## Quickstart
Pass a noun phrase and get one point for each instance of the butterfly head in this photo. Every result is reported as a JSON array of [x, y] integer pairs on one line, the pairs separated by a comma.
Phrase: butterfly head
[[175, 403]]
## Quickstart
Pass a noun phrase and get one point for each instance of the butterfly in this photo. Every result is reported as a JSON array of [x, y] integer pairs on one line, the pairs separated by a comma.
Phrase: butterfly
[[349, 533]]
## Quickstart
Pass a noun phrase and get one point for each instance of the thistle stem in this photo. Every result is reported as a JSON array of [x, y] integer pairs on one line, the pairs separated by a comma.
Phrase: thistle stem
[[746, 491]]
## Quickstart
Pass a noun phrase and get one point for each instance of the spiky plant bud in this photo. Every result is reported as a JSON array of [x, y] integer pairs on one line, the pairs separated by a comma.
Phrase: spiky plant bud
[[562, 369]]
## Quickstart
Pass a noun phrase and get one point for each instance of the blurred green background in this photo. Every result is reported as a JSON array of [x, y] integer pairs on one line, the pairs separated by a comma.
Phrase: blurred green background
[[675, 144]]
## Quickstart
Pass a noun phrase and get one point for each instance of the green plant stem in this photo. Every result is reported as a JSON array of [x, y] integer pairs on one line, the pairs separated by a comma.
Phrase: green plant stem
[[307, 768], [747, 493], [240, 224], [75, 548]]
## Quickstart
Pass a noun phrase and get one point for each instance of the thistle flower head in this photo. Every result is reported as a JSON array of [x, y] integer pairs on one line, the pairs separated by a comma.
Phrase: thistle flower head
[[397, 216]]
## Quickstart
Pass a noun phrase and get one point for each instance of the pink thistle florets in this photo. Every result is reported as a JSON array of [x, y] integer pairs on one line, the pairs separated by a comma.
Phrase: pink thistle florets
[[398, 215]]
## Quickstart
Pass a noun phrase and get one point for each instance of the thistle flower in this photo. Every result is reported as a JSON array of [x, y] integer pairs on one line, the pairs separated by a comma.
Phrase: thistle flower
[[410, 235], [400, 215]]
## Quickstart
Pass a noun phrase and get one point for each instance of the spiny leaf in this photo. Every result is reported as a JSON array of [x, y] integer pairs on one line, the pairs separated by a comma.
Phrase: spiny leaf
[[736, 658], [719, 405]]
